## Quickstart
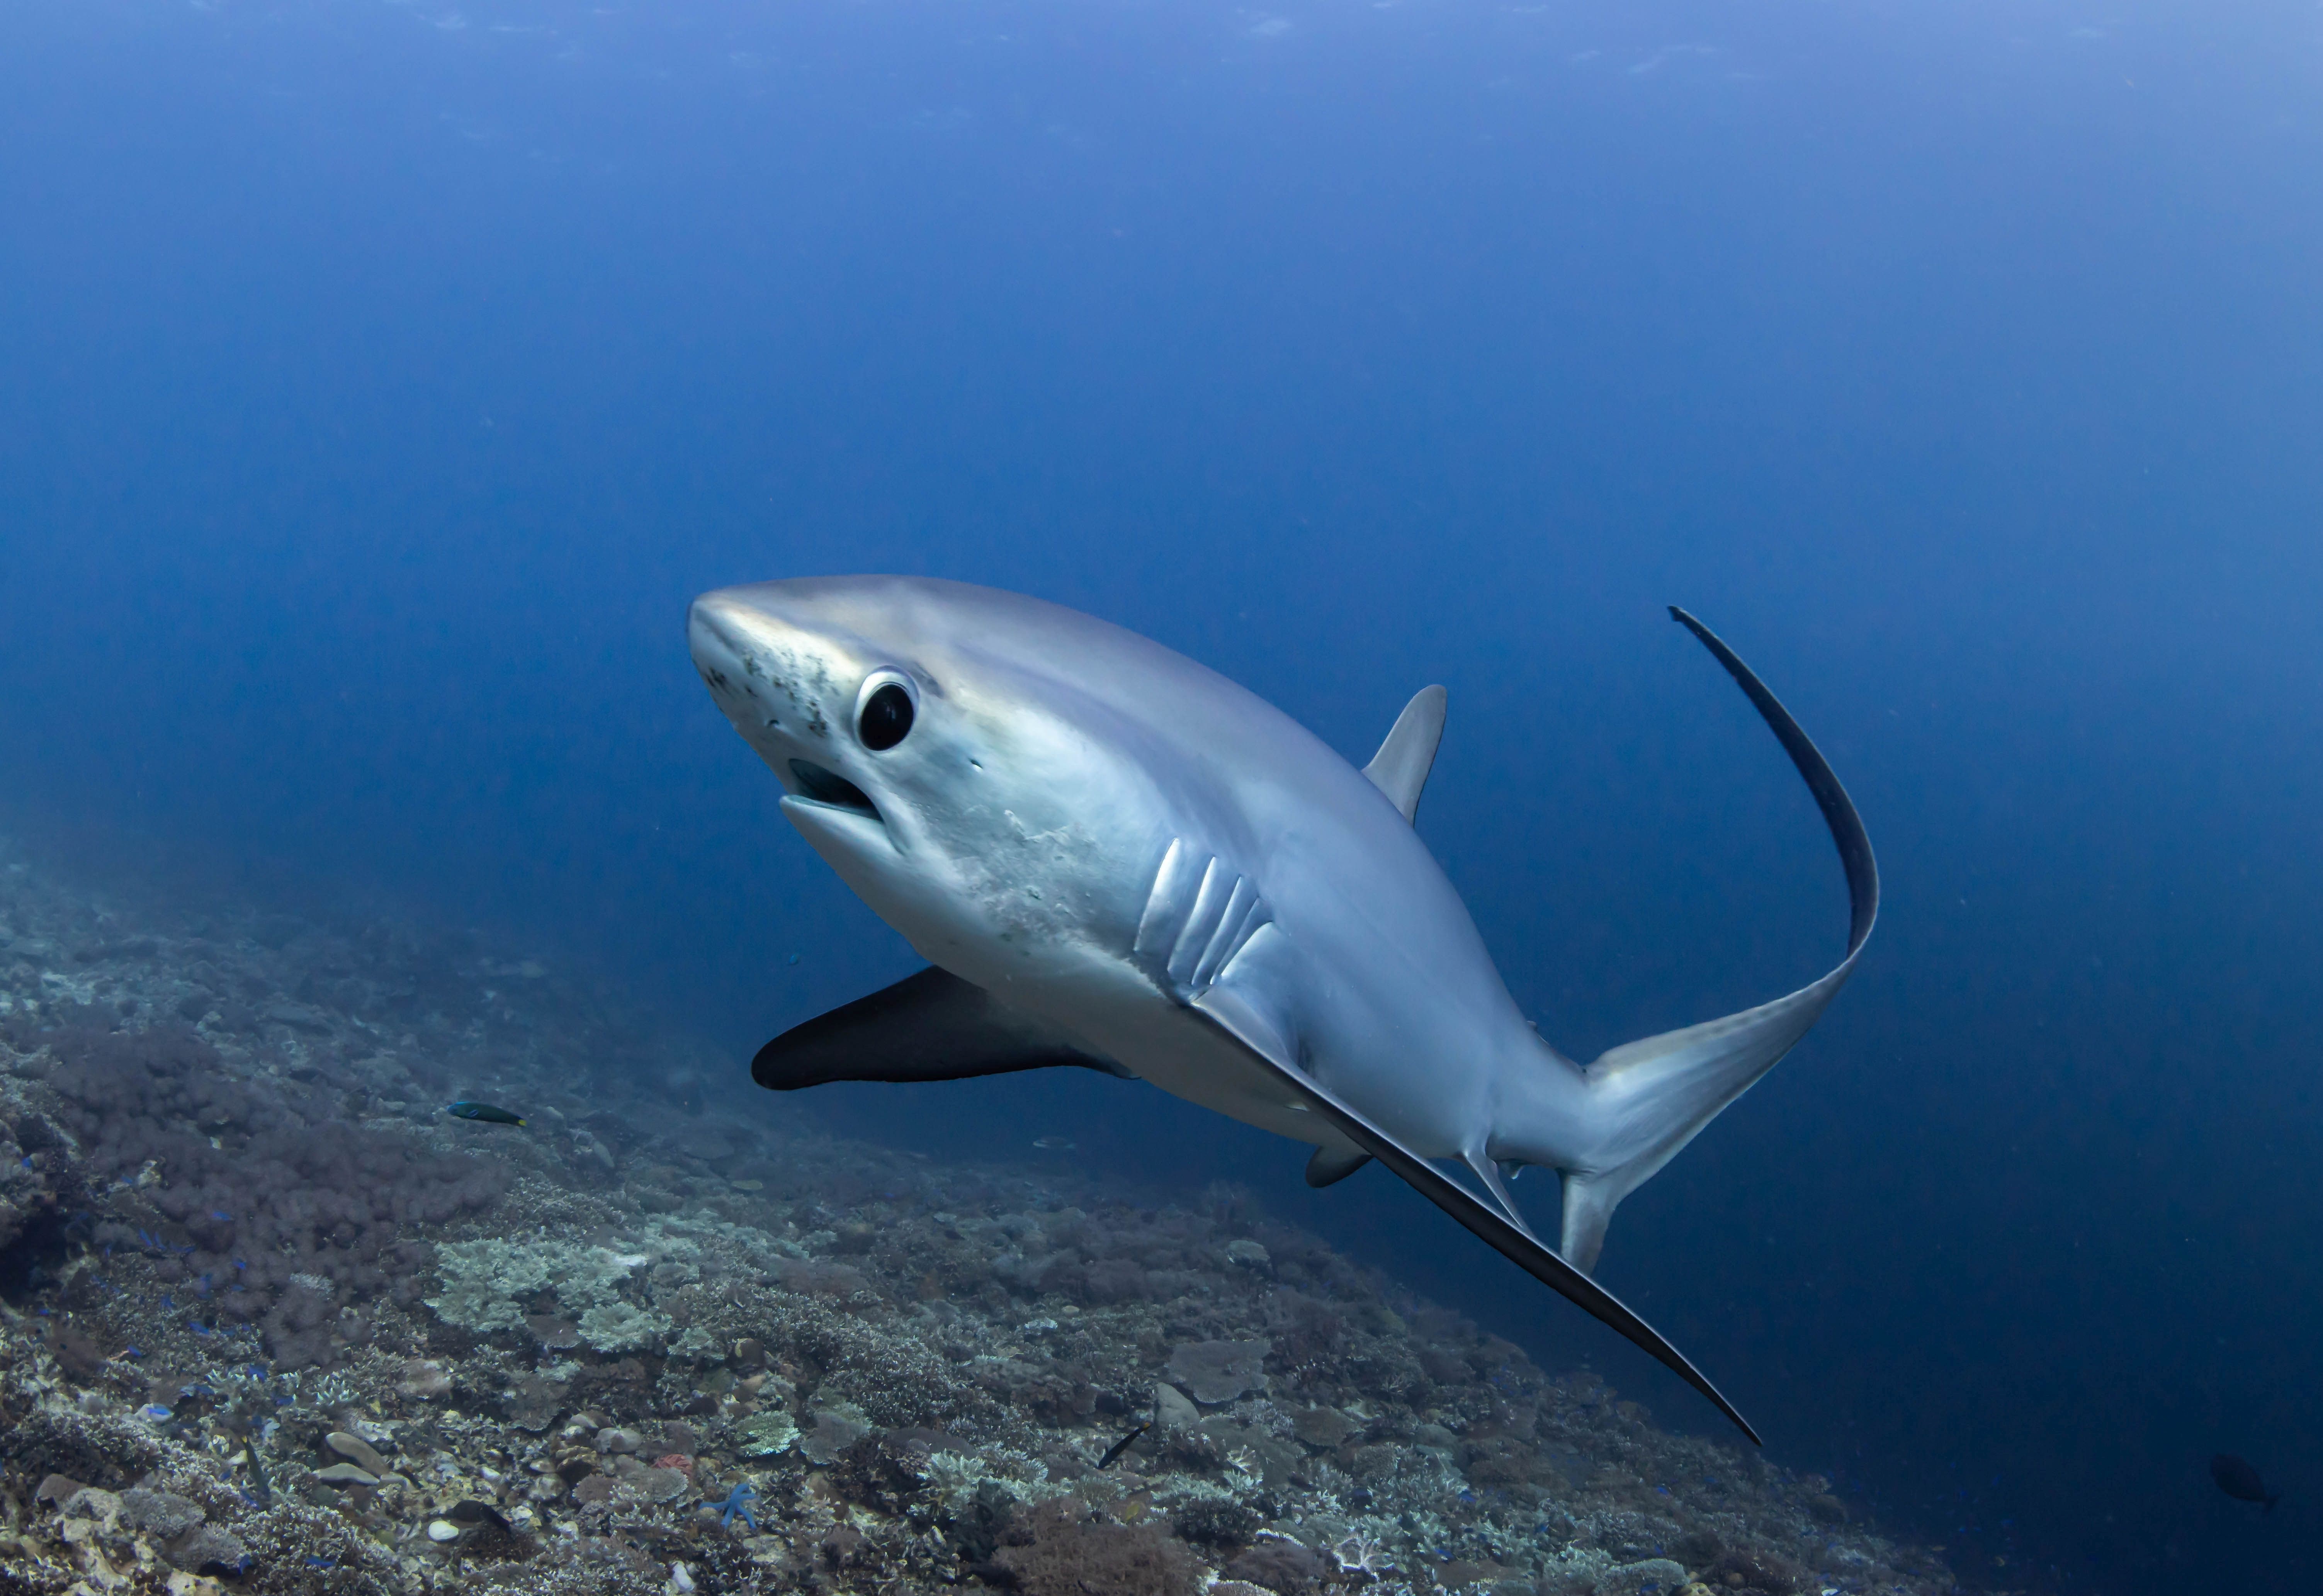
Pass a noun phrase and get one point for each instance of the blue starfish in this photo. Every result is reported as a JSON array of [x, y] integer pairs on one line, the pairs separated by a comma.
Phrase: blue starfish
[[738, 1500]]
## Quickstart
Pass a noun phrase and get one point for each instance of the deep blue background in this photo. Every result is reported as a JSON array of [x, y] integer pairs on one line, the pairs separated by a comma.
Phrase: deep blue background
[[377, 382]]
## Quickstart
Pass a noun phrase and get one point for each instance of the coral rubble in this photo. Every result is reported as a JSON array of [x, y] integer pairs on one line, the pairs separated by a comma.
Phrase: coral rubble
[[274, 1323]]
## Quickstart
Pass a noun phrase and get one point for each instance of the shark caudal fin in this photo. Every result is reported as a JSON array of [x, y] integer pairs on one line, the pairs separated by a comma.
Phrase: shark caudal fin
[[1650, 1098]]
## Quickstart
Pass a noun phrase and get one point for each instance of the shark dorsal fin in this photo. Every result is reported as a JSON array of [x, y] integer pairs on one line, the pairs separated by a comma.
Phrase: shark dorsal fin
[[1400, 767]]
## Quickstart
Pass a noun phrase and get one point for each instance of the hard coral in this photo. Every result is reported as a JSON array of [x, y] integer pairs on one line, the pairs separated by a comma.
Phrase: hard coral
[[1065, 1555], [1281, 1565], [1219, 1524], [1762, 1572], [1219, 1370], [489, 1282]]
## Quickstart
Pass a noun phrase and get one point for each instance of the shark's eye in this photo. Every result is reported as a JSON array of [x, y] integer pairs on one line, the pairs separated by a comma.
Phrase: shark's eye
[[884, 711]]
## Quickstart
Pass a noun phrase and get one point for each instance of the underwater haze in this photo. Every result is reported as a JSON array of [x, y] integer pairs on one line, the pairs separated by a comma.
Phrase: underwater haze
[[379, 382]]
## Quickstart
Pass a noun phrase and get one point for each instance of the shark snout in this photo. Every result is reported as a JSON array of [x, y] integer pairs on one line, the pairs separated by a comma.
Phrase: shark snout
[[715, 636], [748, 662], [778, 681]]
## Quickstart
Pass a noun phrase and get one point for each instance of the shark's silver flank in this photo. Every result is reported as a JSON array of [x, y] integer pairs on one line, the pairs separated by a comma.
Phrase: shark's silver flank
[[1118, 859]]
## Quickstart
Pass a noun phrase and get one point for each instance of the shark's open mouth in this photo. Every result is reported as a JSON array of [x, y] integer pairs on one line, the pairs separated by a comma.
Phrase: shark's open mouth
[[826, 786]]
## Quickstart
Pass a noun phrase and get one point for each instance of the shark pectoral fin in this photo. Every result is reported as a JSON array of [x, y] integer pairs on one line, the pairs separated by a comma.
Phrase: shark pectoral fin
[[1331, 1165], [1400, 767], [1264, 1038], [931, 1026], [1649, 1098]]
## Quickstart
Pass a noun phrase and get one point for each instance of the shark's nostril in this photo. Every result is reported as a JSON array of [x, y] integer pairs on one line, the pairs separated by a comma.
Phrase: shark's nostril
[[826, 786]]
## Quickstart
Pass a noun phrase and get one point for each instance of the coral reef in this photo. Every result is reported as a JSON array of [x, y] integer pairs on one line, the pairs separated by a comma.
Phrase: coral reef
[[271, 1321], [303, 1213], [487, 1282]]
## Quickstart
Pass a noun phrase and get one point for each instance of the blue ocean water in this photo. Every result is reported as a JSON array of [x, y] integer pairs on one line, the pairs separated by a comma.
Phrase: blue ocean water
[[379, 382]]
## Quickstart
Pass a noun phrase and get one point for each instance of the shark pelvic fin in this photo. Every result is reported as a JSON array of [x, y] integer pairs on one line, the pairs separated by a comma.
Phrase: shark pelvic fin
[[1263, 1037], [1496, 1184], [931, 1026], [1653, 1095], [1400, 767]]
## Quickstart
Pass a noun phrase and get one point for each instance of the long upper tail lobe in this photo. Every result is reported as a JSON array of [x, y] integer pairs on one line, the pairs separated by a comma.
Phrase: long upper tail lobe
[[1649, 1098]]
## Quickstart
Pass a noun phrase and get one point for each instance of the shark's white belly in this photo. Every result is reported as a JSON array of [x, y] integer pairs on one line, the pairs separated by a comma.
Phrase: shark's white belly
[[1081, 975], [1114, 1008]]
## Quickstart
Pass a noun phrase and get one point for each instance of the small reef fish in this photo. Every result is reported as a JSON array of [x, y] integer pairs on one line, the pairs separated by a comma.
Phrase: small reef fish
[[483, 1111], [1053, 1143], [473, 1511], [2239, 1480], [1113, 1453], [259, 1487]]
